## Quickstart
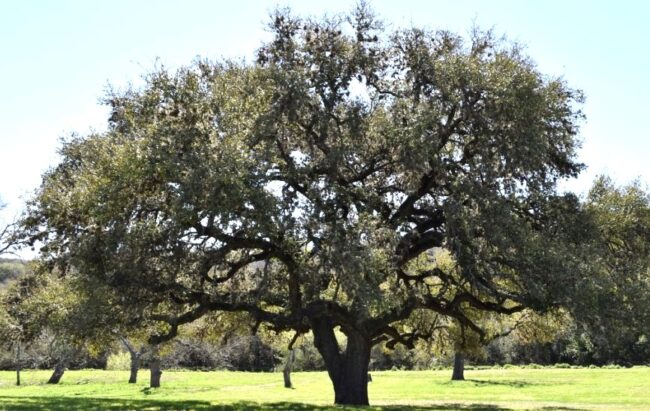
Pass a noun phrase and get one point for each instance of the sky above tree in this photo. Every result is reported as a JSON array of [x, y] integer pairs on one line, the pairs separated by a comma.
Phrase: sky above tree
[[58, 58]]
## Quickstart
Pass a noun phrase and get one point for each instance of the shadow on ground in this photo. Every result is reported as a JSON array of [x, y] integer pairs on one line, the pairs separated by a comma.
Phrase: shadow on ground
[[78, 404], [560, 409], [513, 383]]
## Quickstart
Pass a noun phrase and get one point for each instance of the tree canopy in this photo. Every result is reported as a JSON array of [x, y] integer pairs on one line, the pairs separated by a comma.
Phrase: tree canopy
[[615, 296], [310, 187]]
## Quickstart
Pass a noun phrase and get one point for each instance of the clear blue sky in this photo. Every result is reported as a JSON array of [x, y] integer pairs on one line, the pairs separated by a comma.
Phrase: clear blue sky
[[57, 57]]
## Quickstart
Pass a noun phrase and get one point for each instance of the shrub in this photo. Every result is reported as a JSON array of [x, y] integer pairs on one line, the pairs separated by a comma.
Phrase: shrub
[[192, 354], [119, 361], [248, 353]]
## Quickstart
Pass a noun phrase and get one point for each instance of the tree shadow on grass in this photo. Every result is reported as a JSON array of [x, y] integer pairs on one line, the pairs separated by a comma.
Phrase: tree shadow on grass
[[78, 404], [441, 407], [560, 409], [513, 383]]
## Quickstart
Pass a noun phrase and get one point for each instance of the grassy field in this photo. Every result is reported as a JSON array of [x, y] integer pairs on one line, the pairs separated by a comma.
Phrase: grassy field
[[490, 390]]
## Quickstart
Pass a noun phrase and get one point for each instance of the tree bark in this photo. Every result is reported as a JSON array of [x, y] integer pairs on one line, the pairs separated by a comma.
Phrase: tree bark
[[18, 362], [459, 367], [154, 367], [348, 370], [288, 367], [135, 366], [135, 359], [59, 369]]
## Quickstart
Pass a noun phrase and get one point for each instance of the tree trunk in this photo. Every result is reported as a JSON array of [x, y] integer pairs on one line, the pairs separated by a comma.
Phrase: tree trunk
[[135, 366], [154, 367], [135, 359], [348, 370], [286, 372], [59, 369], [18, 362], [459, 367]]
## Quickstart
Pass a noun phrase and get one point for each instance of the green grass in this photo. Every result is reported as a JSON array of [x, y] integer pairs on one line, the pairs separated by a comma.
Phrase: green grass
[[489, 390]]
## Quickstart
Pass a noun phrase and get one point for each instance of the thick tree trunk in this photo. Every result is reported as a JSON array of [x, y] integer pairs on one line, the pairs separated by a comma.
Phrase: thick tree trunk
[[348, 370], [351, 386], [154, 367], [59, 369], [459, 367], [288, 367]]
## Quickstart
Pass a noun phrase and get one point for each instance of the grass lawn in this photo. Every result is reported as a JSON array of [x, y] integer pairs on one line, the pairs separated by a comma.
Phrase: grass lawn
[[490, 390]]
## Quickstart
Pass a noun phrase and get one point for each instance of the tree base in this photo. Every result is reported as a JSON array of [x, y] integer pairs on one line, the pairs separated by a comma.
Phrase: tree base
[[459, 368]]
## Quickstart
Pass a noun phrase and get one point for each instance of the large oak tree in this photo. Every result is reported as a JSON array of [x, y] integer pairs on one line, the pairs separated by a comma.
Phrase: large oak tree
[[308, 187]]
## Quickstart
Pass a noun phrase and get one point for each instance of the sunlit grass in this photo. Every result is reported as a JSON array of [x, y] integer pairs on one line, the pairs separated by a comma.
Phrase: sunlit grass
[[493, 389]]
